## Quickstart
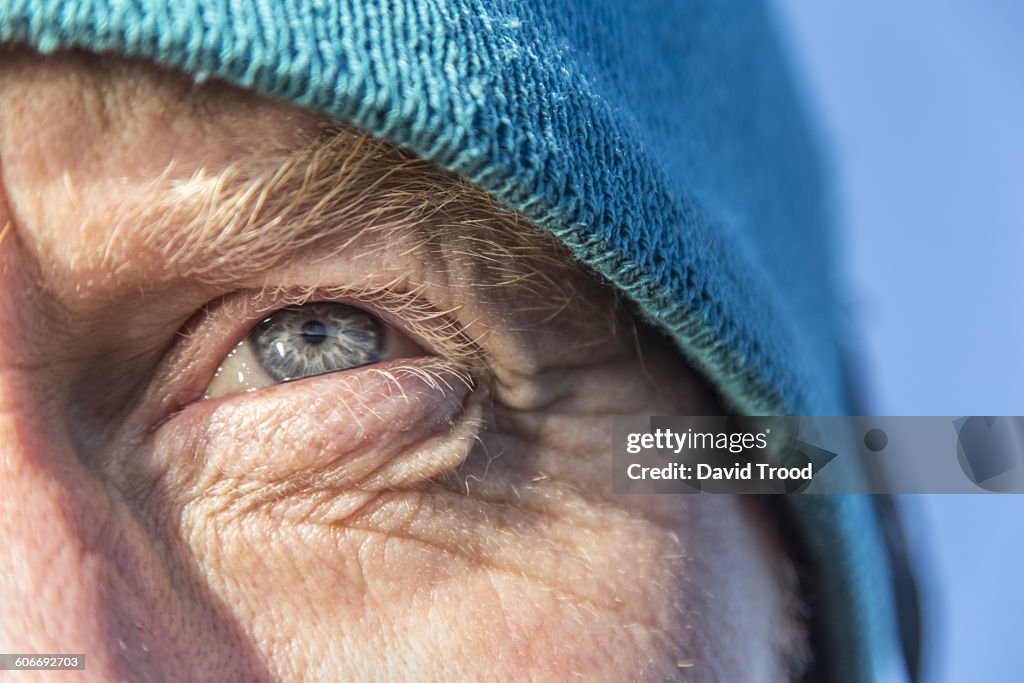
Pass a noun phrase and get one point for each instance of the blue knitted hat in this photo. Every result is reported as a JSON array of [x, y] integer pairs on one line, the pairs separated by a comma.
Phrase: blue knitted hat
[[661, 140]]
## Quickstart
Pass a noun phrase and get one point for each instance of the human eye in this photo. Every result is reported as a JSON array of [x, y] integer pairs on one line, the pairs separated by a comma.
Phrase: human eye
[[307, 340], [276, 385]]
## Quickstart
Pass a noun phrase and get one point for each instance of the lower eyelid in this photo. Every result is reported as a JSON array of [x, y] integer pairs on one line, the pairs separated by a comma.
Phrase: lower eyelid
[[350, 423]]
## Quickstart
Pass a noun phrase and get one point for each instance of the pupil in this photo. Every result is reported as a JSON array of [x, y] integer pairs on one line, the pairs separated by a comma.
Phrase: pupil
[[314, 332]]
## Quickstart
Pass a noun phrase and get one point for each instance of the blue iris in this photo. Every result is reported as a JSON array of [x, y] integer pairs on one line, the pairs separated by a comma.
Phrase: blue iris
[[317, 338]]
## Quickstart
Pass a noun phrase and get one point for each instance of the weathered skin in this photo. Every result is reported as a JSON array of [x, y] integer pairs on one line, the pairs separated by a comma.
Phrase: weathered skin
[[390, 522]]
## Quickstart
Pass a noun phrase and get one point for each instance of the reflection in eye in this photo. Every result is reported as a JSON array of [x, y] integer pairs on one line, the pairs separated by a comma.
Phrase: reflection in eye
[[315, 339], [304, 341]]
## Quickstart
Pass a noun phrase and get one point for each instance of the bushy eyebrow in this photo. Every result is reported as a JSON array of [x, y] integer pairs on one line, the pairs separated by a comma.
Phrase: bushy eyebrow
[[262, 212]]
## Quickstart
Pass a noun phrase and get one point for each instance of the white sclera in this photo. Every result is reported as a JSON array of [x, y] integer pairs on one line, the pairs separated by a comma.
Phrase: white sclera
[[239, 373]]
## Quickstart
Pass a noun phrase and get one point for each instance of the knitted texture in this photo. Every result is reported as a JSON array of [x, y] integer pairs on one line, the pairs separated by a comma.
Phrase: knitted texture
[[680, 171], [661, 140]]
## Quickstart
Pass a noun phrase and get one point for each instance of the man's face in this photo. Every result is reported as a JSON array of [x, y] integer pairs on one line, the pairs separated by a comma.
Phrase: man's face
[[403, 474]]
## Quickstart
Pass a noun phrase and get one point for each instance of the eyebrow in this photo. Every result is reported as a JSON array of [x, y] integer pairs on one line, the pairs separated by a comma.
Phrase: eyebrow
[[262, 212]]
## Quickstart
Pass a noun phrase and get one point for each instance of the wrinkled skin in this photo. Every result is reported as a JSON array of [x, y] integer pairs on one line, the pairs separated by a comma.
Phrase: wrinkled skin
[[363, 525]]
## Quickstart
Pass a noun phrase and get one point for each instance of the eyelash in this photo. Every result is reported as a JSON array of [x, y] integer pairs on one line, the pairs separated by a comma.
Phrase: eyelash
[[409, 311], [403, 312]]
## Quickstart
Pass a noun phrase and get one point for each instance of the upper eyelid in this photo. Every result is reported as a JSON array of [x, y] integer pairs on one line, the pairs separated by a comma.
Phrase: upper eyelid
[[409, 310]]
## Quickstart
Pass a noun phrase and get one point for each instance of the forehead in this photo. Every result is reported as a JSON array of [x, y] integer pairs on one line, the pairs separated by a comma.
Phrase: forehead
[[132, 178], [102, 110], [87, 134]]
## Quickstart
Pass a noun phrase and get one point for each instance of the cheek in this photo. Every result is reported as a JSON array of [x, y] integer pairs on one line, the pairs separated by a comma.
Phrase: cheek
[[492, 569], [453, 587], [421, 528], [80, 575]]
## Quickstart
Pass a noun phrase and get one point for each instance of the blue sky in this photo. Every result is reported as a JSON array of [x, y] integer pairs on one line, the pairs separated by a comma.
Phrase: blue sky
[[922, 104]]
